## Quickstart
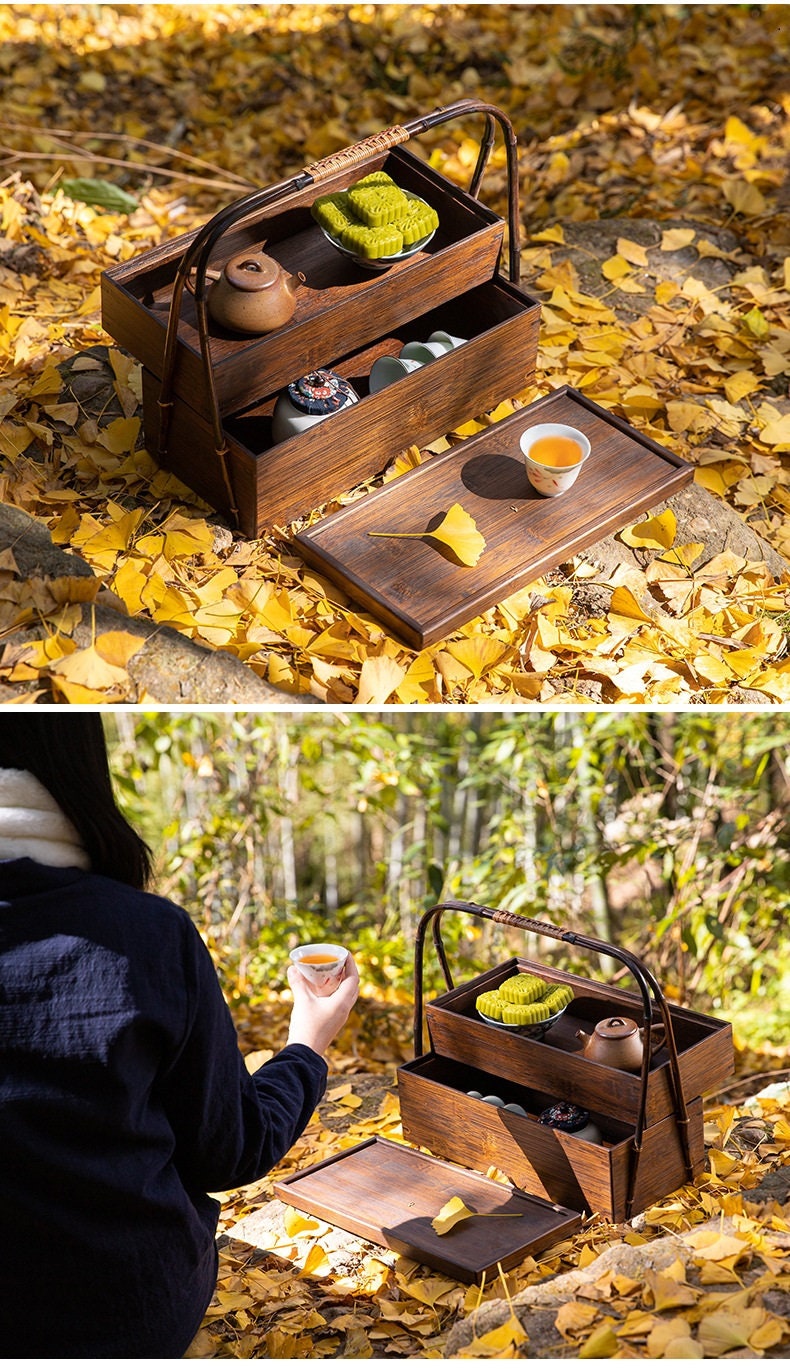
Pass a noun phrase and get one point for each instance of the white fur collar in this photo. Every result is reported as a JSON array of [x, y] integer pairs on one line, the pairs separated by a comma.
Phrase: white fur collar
[[32, 824]]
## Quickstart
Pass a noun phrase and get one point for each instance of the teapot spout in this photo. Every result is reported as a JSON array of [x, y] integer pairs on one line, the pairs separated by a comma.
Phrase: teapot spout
[[294, 281], [584, 1037]]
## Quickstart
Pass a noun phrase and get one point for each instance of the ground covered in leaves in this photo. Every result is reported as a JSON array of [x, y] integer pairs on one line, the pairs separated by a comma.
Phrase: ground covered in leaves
[[673, 122], [313, 1293]]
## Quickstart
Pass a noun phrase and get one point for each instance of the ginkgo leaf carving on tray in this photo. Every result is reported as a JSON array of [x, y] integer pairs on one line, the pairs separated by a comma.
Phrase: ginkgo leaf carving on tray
[[457, 534]]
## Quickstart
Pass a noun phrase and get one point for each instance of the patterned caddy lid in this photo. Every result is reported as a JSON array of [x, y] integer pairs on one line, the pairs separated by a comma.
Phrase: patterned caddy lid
[[321, 392], [565, 1117]]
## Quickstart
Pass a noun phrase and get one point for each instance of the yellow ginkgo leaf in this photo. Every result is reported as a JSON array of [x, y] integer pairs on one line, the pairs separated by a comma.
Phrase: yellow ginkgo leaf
[[450, 1215], [624, 603], [777, 432], [744, 197], [89, 668], [673, 239], [498, 1343], [600, 1344], [455, 1211], [633, 252], [378, 679], [457, 532], [657, 532]]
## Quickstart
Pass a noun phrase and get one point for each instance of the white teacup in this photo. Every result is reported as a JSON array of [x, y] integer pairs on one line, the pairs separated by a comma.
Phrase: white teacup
[[552, 480], [322, 963], [423, 351], [386, 370], [446, 340]]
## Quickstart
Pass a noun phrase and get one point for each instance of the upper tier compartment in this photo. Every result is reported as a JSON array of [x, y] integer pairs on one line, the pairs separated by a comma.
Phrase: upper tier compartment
[[338, 298]]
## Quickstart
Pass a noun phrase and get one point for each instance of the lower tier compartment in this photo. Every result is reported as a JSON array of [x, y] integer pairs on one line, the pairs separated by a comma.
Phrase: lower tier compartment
[[271, 483], [587, 1176]]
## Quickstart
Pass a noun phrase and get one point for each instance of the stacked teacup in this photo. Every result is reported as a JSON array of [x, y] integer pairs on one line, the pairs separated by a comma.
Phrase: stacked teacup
[[412, 355]]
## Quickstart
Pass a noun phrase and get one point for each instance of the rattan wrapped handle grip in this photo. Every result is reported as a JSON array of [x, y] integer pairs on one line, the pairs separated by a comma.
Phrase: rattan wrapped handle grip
[[349, 157]]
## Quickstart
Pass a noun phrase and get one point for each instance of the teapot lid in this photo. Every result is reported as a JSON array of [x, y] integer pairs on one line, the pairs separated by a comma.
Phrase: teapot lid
[[615, 1028], [321, 392], [252, 271]]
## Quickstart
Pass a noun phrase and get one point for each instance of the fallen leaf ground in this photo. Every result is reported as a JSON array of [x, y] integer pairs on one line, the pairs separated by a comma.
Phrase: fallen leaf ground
[[313, 1294], [657, 115]]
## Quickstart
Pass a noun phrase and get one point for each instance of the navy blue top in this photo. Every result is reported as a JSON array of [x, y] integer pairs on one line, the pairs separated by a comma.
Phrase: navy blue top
[[124, 1101]]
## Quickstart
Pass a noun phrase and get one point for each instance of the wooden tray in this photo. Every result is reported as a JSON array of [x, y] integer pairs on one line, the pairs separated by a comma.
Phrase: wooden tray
[[339, 300], [420, 594], [390, 1194], [556, 1063], [561, 1168]]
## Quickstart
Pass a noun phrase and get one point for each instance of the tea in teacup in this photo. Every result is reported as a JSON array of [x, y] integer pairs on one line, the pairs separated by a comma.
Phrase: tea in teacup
[[556, 451], [322, 963]]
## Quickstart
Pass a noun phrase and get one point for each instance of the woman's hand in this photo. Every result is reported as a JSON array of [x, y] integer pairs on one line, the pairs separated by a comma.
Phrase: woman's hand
[[316, 1020]]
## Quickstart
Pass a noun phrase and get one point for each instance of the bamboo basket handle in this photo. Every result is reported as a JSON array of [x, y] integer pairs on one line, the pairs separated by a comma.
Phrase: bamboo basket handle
[[650, 989], [194, 263]]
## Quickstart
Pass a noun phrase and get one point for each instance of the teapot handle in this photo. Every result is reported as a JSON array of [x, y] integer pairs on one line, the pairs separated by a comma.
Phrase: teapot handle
[[211, 274]]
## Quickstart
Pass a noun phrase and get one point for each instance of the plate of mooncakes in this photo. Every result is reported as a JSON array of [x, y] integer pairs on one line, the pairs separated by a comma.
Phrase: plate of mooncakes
[[375, 223], [524, 1003]]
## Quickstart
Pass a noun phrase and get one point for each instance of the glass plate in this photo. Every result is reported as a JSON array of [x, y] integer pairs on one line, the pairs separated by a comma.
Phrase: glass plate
[[381, 263], [528, 1028]]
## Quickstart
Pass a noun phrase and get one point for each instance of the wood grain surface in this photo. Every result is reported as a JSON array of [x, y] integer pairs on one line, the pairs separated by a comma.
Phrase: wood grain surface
[[583, 1175]]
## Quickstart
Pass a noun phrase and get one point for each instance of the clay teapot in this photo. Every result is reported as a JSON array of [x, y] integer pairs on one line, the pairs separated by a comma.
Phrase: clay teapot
[[619, 1043], [252, 294]]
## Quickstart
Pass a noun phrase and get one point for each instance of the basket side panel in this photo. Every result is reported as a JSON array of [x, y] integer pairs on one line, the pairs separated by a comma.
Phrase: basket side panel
[[558, 1167]]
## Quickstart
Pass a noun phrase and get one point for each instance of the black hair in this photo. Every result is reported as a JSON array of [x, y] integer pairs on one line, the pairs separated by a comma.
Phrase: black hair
[[68, 755]]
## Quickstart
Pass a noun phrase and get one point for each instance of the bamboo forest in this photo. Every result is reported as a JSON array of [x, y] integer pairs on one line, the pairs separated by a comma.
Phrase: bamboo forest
[[666, 833]]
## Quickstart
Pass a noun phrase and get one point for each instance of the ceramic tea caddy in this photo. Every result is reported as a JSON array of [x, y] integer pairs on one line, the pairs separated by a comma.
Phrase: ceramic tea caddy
[[573, 1120], [252, 293], [617, 1042], [309, 400]]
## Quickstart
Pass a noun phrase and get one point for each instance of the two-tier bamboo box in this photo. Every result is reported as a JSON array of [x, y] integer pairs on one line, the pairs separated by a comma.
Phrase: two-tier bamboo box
[[209, 394], [650, 1121]]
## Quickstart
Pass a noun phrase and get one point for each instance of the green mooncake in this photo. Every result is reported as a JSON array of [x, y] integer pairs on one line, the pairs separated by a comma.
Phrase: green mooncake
[[524, 1014], [558, 998], [418, 223], [490, 1005], [523, 988], [385, 241], [374, 217], [378, 205], [333, 212]]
